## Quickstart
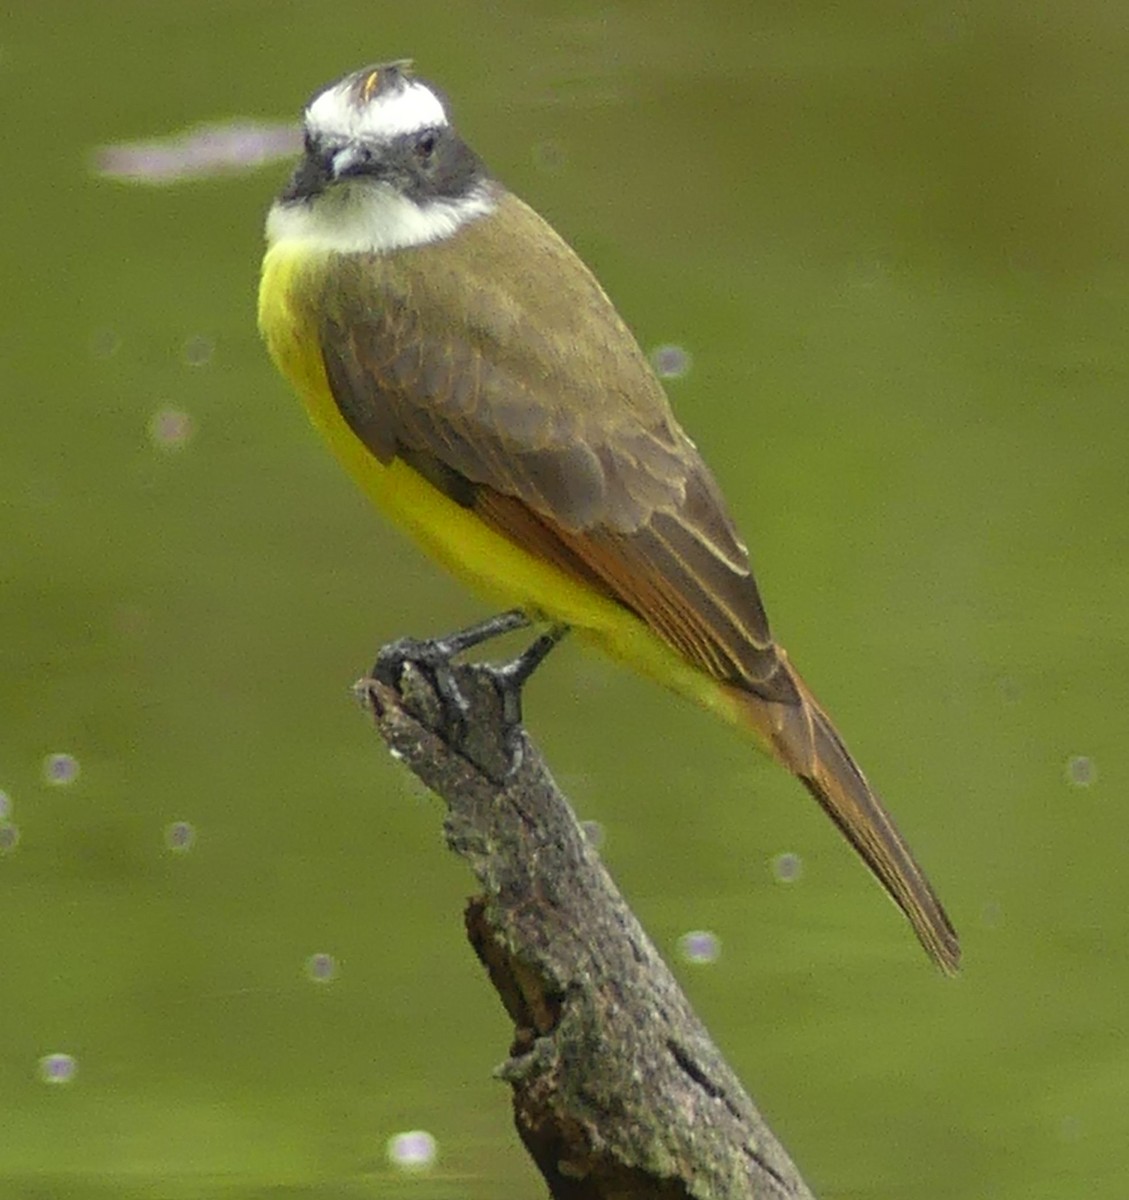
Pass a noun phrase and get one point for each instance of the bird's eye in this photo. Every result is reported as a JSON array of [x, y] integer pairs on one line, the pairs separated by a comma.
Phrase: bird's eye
[[425, 145]]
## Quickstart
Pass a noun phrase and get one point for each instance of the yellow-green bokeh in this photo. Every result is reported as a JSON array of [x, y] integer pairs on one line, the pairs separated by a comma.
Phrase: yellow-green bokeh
[[895, 240]]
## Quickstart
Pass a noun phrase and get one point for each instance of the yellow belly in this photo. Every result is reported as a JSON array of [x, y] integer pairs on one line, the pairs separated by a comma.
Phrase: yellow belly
[[454, 535]]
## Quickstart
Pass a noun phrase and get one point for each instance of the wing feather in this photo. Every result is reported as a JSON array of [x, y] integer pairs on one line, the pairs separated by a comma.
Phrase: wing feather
[[541, 414], [578, 462]]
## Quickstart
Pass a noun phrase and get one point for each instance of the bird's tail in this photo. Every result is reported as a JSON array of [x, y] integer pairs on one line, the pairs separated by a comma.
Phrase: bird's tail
[[802, 737]]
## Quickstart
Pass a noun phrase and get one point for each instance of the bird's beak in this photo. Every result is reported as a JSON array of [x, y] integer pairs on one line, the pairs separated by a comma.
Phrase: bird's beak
[[319, 169], [352, 160]]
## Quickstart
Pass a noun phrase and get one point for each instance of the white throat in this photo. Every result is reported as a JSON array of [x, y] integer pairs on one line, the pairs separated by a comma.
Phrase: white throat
[[366, 218]]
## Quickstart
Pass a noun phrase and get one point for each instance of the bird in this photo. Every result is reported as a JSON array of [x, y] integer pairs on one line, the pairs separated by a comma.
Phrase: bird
[[472, 375]]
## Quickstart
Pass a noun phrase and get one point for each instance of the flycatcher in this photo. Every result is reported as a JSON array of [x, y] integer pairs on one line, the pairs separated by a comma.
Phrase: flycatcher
[[471, 374]]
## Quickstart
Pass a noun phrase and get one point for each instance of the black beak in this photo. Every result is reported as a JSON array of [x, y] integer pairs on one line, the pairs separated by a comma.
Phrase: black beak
[[322, 167], [353, 160]]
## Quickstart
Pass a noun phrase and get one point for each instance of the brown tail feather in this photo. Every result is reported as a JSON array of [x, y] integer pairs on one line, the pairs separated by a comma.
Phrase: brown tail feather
[[803, 738]]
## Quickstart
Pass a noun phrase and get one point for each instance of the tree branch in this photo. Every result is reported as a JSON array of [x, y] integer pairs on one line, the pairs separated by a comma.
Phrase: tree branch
[[618, 1091]]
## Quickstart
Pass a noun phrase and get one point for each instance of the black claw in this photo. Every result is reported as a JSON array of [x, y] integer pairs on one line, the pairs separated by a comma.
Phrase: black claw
[[510, 678], [507, 683], [434, 657]]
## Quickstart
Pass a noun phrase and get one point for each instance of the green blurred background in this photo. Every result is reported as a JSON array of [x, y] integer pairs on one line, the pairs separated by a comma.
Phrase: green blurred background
[[895, 240]]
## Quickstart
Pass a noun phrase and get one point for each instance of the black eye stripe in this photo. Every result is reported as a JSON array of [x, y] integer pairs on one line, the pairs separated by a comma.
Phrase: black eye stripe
[[430, 163]]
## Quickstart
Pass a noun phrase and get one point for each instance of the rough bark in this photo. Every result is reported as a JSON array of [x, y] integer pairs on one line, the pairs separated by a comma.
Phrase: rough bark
[[618, 1091]]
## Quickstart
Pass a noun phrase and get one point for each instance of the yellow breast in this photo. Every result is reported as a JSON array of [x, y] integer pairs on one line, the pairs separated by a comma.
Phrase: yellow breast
[[293, 281]]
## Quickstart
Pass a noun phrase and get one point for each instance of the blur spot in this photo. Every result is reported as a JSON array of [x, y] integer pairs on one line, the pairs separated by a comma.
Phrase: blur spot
[[670, 362], [170, 429], [57, 1068], [9, 837], [222, 148], [105, 344], [180, 837], [991, 914], [868, 274], [412, 1151], [699, 946], [946, 26], [1081, 770], [321, 968], [60, 769], [198, 350], [131, 620], [787, 868], [594, 832], [1010, 691], [549, 157], [5, 806], [1070, 1128]]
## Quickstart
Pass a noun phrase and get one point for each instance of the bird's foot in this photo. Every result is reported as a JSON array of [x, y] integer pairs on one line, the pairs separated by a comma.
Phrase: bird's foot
[[509, 679], [433, 658]]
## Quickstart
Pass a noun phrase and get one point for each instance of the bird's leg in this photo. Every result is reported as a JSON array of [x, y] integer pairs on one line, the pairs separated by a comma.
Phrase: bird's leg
[[435, 655], [511, 677]]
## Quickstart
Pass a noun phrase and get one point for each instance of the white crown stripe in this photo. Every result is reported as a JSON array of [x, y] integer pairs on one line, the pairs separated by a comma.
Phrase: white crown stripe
[[407, 109]]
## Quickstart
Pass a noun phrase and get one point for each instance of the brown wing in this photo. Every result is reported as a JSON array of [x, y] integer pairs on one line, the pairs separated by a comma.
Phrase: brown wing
[[578, 461], [536, 408]]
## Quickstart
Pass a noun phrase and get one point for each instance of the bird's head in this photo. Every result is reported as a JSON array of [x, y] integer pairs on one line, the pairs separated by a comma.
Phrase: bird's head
[[383, 167]]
